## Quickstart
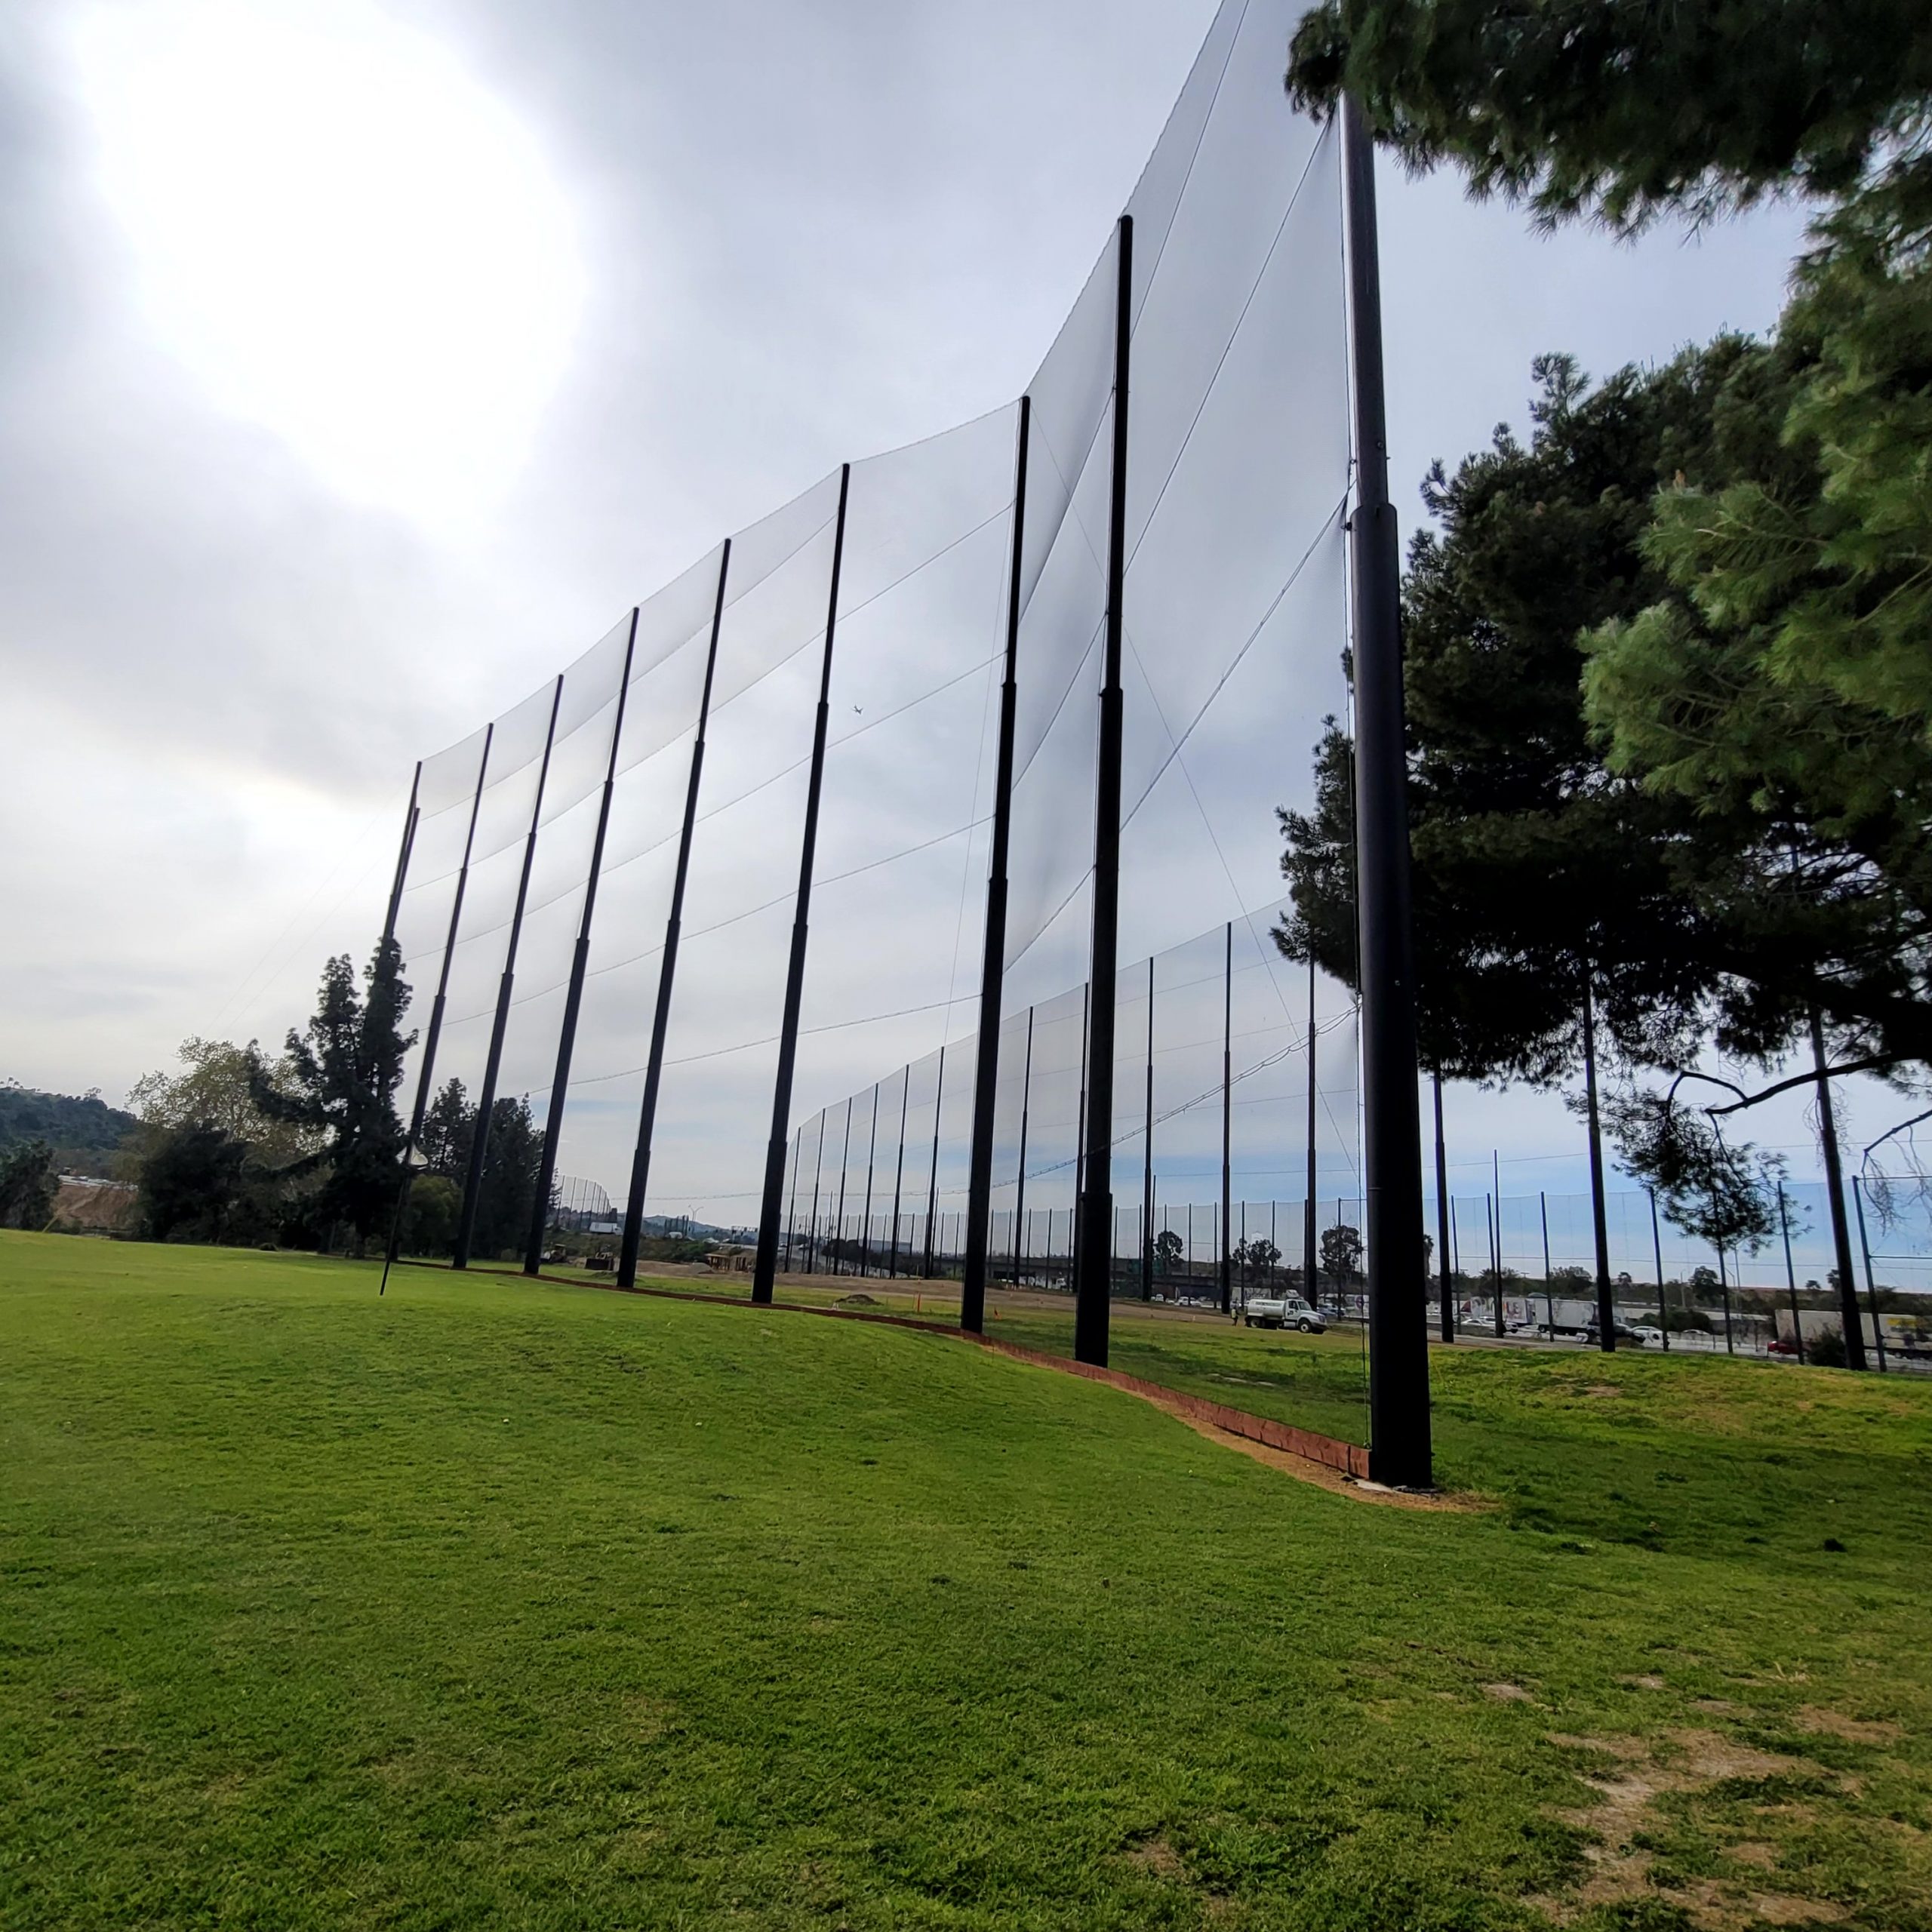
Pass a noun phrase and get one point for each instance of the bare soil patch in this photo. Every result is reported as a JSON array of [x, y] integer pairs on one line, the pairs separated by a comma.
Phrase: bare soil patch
[[1619, 1868], [1859, 1730]]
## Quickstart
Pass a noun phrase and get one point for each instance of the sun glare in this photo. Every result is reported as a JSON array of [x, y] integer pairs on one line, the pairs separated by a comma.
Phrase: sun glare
[[346, 237]]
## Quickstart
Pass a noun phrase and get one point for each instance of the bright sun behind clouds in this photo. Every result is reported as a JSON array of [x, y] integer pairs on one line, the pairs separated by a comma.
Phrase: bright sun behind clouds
[[344, 235]]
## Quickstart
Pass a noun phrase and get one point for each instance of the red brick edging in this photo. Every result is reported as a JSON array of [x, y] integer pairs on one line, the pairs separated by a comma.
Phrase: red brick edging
[[1350, 1458]]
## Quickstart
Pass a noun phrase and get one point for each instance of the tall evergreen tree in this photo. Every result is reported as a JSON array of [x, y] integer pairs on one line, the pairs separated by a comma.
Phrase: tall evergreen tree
[[1539, 873], [448, 1123], [1776, 680], [509, 1191], [340, 1079], [1619, 109]]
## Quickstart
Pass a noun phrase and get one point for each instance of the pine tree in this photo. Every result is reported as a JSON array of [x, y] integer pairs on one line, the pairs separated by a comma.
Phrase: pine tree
[[340, 1078]]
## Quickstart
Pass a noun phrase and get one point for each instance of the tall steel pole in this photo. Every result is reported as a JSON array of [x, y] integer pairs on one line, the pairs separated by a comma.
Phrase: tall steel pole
[[434, 1033], [1309, 1256], [560, 1080], [486, 1100], [796, 1161], [1657, 1254], [410, 818], [899, 1169], [766, 1268], [1828, 1138], [667, 968], [932, 1178], [1092, 1247], [986, 1076], [872, 1153], [1227, 1112], [1605, 1308], [1080, 1141], [1147, 1156], [845, 1168], [1019, 1189], [1790, 1277], [1549, 1292], [818, 1178], [1871, 1286], [1442, 1219], [1496, 1235], [1392, 1128]]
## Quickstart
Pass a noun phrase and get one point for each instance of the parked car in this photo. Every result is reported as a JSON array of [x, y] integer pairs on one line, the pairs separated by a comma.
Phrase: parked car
[[1622, 1330], [1283, 1312]]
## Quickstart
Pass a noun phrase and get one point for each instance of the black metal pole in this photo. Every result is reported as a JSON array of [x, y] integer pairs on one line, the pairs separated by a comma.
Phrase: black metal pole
[[1549, 1292], [1871, 1286], [434, 1032], [1496, 1235], [560, 1080], [410, 817], [1020, 1185], [795, 1162], [667, 968], [1227, 1111], [1392, 1128], [818, 1178], [1605, 1308], [1093, 1258], [1147, 1156], [1790, 1276], [1828, 1137], [486, 1100], [1080, 1141], [899, 1169], [986, 1076], [766, 1267], [1656, 1253], [932, 1178], [844, 1167], [1448, 1311], [872, 1152], [408, 845], [1308, 1252]]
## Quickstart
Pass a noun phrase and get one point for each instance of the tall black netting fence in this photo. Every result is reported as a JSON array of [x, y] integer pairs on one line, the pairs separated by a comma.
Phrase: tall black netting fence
[[1215, 1145], [1523, 1266], [612, 923]]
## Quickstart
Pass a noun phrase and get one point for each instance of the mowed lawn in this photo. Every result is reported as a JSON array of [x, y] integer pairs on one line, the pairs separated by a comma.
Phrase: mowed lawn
[[490, 1604]]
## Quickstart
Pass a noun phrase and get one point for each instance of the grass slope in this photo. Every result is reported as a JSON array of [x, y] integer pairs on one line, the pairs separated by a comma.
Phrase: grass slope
[[491, 1605]]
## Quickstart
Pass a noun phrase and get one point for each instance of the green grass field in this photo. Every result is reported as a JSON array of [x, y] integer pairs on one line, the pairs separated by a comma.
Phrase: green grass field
[[490, 1604]]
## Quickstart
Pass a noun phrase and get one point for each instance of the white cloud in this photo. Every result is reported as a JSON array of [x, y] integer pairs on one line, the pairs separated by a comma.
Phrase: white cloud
[[347, 239]]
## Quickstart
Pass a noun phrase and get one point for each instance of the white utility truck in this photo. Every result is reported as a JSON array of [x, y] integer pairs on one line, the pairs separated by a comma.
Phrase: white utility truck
[[1282, 1311]]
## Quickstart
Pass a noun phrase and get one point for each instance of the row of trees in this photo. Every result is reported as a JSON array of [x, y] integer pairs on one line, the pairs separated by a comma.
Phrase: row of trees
[[306, 1150], [1668, 660]]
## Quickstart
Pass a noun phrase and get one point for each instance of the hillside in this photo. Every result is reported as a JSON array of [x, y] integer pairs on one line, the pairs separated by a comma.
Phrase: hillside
[[82, 1129]]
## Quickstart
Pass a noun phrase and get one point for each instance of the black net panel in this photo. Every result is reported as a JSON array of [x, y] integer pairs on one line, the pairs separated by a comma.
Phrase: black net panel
[[1230, 513]]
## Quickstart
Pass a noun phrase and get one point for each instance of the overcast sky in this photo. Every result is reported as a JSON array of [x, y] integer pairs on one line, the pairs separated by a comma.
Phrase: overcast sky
[[363, 362]]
